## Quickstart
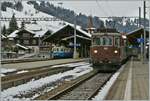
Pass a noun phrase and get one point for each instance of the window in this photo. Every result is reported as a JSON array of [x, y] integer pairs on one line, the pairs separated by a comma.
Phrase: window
[[96, 41], [117, 41], [18, 41], [62, 49], [26, 35], [26, 41], [34, 42], [104, 41], [57, 49], [109, 41]]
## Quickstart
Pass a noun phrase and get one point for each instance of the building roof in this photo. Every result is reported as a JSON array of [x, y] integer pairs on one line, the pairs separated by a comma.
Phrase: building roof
[[41, 33], [78, 28], [67, 31], [70, 37], [14, 34], [3, 36], [107, 30], [22, 46], [137, 31], [135, 34]]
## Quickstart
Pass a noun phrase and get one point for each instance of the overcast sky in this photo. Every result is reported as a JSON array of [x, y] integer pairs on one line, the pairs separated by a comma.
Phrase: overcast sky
[[104, 8]]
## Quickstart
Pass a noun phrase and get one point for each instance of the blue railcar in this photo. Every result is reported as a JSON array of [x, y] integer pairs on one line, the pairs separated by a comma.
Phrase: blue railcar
[[62, 52]]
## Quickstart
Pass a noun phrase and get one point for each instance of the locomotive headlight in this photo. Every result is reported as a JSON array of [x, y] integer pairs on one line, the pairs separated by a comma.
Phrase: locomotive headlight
[[115, 51], [95, 51]]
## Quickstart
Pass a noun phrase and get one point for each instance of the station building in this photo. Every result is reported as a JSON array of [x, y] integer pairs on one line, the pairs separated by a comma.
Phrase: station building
[[136, 40], [65, 37], [24, 41]]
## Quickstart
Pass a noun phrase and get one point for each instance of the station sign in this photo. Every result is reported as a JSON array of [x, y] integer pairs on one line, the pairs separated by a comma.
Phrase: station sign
[[140, 40], [72, 45]]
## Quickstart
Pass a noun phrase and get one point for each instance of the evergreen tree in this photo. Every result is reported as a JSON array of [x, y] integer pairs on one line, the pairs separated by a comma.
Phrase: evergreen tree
[[18, 6], [12, 24], [22, 25], [4, 31]]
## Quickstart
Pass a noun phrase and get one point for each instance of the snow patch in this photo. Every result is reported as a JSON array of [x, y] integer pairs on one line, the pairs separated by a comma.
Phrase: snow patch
[[104, 91], [71, 64], [23, 71], [4, 70], [33, 85]]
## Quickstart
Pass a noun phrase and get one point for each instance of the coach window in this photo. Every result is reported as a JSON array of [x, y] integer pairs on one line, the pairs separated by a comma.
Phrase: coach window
[[117, 41]]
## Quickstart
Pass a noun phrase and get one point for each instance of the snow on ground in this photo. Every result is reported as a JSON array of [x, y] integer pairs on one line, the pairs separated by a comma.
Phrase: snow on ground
[[22, 71], [39, 26], [2, 75], [104, 91], [36, 84], [4, 70], [30, 12], [71, 64]]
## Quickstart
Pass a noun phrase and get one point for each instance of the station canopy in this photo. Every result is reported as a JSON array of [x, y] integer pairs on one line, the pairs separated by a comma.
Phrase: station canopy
[[133, 36], [67, 33]]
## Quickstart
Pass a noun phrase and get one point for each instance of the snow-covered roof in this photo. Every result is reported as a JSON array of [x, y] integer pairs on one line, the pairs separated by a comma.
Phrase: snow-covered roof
[[14, 34], [70, 37], [3, 36], [40, 33], [78, 28], [141, 28], [22, 46], [134, 31]]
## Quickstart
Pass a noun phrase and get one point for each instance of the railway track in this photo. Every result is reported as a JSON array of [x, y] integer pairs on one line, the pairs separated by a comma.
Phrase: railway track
[[18, 79], [22, 60], [82, 88]]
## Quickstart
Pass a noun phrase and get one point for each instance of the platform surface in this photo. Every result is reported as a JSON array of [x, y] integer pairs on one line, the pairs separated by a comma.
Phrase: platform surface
[[132, 83], [37, 64]]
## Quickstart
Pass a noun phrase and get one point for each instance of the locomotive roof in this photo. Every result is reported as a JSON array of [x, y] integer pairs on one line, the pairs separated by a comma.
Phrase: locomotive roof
[[108, 33], [107, 30]]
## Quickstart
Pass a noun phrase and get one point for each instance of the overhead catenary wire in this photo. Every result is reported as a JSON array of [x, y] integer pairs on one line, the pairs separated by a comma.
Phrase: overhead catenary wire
[[111, 11], [100, 7]]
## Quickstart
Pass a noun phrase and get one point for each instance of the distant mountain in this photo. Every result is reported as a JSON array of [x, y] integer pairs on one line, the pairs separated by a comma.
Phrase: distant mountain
[[120, 23]]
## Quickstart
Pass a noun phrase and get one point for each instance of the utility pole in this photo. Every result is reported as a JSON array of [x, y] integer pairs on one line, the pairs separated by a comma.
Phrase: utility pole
[[141, 43], [0, 46], [149, 46], [74, 53], [39, 43], [144, 13], [139, 17]]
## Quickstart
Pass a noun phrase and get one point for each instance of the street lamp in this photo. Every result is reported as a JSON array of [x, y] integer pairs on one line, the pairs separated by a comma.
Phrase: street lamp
[[74, 52]]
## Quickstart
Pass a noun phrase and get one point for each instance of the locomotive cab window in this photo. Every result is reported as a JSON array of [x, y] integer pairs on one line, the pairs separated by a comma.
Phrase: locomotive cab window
[[106, 41], [117, 41], [96, 41]]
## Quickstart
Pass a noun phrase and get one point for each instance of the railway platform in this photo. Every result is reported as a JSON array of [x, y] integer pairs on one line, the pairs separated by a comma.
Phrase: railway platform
[[38, 64], [132, 83]]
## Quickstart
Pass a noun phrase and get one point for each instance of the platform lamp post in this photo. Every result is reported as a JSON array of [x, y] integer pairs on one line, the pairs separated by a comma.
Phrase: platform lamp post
[[0, 46], [74, 52], [144, 13], [39, 43], [149, 47]]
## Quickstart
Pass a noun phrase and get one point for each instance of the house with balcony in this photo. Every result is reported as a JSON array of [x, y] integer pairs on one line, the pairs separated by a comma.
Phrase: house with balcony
[[29, 42]]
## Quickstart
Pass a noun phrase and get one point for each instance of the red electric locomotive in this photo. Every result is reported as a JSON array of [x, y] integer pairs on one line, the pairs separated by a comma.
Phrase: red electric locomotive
[[108, 50]]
